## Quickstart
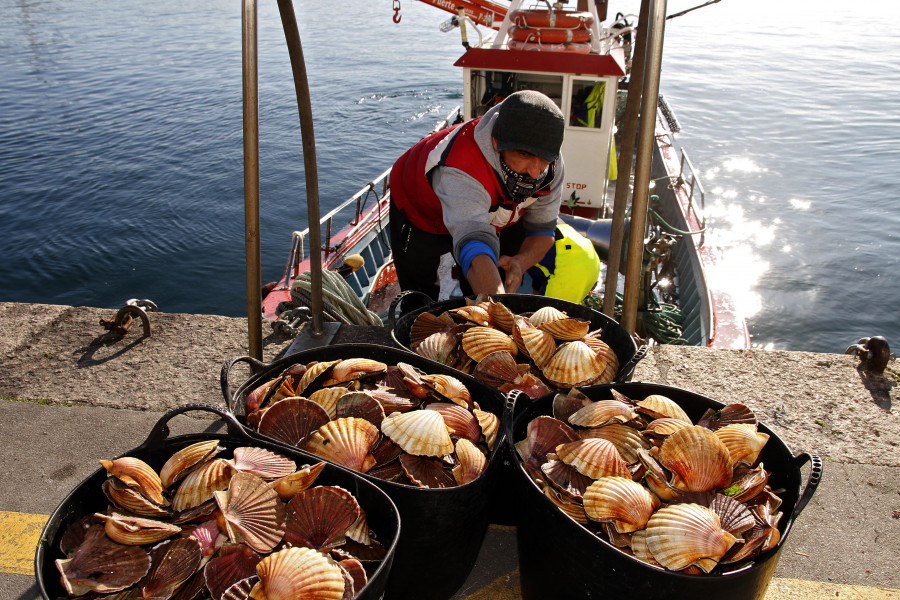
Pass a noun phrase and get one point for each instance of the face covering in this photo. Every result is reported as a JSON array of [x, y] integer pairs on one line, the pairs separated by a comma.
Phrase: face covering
[[520, 186]]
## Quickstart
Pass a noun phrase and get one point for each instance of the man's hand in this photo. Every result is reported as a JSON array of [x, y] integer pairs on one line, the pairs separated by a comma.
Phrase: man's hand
[[530, 253], [515, 270]]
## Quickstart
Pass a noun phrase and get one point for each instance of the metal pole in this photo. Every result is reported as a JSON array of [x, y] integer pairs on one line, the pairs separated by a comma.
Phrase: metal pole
[[251, 178], [626, 162], [301, 86], [646, 139]]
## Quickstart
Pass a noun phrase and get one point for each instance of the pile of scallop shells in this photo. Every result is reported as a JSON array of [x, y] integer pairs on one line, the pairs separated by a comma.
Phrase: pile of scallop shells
[[249, 526], [536, 353], [395, 423], [639, 474]]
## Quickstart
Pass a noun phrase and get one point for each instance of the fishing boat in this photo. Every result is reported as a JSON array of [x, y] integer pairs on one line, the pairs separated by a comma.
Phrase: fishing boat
[[622, 175]]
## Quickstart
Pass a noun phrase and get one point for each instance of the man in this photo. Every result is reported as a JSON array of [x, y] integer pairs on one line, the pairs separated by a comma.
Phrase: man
[[487, 191]]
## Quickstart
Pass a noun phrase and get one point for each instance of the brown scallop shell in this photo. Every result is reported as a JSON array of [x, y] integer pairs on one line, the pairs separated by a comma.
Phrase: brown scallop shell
[[618, 500], [239, 590], [496, 368], [199, 485], [136, 531], [543, 435], [313, 377], [290, 485], [658, 406], [235, 562], [439, 347], [500, 316], [627, 440], [101, 565], [131, 500], [475, 313], [530, 385], [490, 425], [663, 428], [327, 398], [734, 517], [136, 474], [353, 369], [570, 507], [681, 535], [421, 432], [360, 405], [180, 463], [602, 412], [478, 342], [262, 463], [357, 572], [537, 344], [472, 462], [566, 330], [292, 420], [253, 512], [546, 314], [461, 422], [594, 457], [699, 460], [573, 364], [299, 573], [727, 415], [426, 472], [320, 517], [743, 441], [427, 324], [346, 441], [747, 483], [565, 405], [449, 388], [565, 478], [74, 535], [606, 354], [173, 562]]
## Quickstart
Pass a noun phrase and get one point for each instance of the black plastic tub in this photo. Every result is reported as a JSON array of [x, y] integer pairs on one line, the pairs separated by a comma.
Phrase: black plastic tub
[[87, 497], [615, 336], [558, 558], [443, 529]]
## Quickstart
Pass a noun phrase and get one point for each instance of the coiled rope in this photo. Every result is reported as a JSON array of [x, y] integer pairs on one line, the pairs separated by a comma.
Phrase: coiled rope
[[662, 321], [339, 301]]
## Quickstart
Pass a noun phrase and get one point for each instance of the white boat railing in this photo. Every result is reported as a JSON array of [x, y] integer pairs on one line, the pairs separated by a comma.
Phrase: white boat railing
[[690, 179]]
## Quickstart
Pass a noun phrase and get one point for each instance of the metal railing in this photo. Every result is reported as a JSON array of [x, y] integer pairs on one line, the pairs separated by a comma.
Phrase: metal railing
[[693, 186]]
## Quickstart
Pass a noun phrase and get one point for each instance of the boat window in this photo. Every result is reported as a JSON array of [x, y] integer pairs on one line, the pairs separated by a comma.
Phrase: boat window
[[587, 103]]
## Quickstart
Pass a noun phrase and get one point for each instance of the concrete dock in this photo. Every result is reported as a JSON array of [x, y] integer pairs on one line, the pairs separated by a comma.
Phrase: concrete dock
[[72, 393]]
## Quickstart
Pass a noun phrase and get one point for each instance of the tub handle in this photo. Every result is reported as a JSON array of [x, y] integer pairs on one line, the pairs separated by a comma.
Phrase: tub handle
[[509, 412], [395, 303], [628, 369], [815, 476], [255, 366], [160, 431]]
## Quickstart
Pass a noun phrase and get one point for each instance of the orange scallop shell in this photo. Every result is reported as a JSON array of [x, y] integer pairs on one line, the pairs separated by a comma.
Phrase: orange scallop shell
[[253, 512], [299, 574], [472, 462], [699, 460], [327, 398], [618, 500], [681, 535], [594, 457], [573, 364], [658, 406], [602, 412], [292, 420], [199, 485], [320, 517], [743, 441], [346, 441], [179, 464], [478, 342]]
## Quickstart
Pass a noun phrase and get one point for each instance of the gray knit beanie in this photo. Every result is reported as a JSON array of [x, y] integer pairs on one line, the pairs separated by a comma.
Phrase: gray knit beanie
[[532, 122]]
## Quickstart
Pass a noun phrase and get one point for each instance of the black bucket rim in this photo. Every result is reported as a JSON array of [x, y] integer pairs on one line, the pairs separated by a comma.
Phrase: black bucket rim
[[514, 422], [234, 434], [607, 325]]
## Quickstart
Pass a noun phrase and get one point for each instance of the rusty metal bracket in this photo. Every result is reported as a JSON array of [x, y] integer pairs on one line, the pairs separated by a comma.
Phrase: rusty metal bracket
[[125, 318]]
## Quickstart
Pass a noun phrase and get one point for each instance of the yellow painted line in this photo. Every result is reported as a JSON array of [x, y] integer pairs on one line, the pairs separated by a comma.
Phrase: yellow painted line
[[19, 535]]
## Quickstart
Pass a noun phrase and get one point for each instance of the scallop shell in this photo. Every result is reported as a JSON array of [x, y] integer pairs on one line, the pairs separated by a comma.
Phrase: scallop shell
[[627, 440], [747, 483], [179, 464], [546, 314], [500, 316], [567, 330], [544, 434], [458, 420], [136, 531], [359, 531], [299, 573], [593, 457], [569, 507], [356, 571], [490, 425], [346, 441], [743, 441], [658, 407], [496, 368], [292, 420], [360, 405], [234, 563], [573, 364], [319, 517], [699, 460], [537, 344], [173, 562], [478, 342], [199, 485], [606, 354], [472, 462], [727, 415], [352, 369], [422, 432], [314, 375], [131, 500], [101, 565], [565, 478], [262, 463], [640, 549], [565, 405], [74, 535], [327, 398], [136, 474], [425, 325], [618, 500], [240, 590], [602, 412], [734, 517], [439, 347], [529, 385], [253, 512], [663, 428], [681, 535], [426, 472], [208, 536], [386, 450], [449, 388], [476, 313], [289, 486]]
